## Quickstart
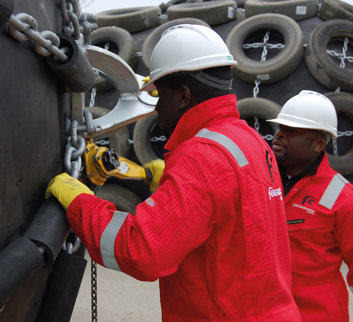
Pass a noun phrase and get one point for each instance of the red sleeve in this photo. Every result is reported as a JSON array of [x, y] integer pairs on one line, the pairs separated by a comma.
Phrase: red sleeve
[[176, 219], [344, 228]]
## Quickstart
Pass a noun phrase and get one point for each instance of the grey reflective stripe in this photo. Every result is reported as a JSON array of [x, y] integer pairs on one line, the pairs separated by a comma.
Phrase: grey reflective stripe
[[108, 239], [227, 143], [332, 191]]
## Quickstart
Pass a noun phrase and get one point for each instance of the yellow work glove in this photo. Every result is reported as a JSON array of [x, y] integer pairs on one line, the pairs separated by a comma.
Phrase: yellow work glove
[[66, 188], [156, 167]]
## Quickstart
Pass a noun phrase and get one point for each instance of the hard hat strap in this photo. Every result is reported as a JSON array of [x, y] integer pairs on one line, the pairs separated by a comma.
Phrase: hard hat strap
[[223, 84]]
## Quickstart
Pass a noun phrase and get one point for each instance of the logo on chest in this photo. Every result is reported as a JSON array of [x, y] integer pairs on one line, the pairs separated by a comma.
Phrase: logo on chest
[[307, 201]]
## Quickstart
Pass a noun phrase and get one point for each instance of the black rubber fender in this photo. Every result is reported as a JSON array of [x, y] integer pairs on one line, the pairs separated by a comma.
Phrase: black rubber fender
[[262, 108], [6, 10], [119, 141], [334, 9], [296, 9], [212, 12], [321, 65], [155, 35], [344, 107], [130, 19], [276, 67], [123, 198], [144, 130]]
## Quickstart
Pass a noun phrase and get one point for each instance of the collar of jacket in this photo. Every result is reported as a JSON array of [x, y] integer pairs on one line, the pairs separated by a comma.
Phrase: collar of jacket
[[200, 115]]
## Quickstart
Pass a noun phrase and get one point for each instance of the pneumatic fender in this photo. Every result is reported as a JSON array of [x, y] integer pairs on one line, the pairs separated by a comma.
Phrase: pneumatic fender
[[145, 129], [275, 67], [296, 9], [334, 9], [262, 108], [155, 35], [330, 35], [343, 102], [123, 198], [131, 19], [119, 141], [212, 12], [120, 42]]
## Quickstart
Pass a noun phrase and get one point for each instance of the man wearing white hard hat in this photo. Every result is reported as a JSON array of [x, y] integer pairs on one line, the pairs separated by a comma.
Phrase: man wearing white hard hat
[[319, 207], [214, 232]]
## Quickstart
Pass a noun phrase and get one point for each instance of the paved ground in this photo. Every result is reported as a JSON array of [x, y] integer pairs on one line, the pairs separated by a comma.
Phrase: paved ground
[[122, 298]]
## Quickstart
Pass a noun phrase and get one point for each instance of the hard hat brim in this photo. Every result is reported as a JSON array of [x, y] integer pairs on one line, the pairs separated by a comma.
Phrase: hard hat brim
[[148, 87], [301, 126]]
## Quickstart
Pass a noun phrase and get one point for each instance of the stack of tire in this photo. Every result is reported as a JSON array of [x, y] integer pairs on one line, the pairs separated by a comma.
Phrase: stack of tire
[[281, 46]]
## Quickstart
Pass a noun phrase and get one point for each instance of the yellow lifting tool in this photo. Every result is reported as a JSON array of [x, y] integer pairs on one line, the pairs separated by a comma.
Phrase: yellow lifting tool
[[102, 163]]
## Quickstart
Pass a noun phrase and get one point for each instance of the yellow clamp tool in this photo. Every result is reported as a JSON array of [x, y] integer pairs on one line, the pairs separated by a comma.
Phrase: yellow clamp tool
[[102, 163]]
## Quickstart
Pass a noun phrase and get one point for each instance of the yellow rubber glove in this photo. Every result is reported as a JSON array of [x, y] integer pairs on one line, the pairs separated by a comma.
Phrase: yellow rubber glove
[[156, 167], [66, 188]]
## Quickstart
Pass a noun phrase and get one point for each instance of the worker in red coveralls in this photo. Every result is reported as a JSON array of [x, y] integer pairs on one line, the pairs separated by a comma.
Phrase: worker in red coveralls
[[319, 207], [214, 232]]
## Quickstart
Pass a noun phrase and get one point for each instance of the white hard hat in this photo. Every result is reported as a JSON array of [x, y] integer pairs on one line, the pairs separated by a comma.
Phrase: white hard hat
[[309, 110], [187, 48]]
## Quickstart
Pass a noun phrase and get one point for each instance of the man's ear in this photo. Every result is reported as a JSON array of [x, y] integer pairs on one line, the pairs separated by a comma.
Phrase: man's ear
[[319, 145], [184, 96]]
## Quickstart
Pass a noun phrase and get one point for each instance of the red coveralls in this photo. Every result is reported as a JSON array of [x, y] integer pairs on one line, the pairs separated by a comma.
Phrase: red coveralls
[[214, 232], [319, 211]]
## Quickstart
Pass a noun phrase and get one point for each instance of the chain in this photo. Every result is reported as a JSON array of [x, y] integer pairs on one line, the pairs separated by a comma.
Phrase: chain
[[334, 140], [268, 137], [93, 97], [342, 56], [256, 124], [346, 133], [256, 88], [76, 22], [23, 27], [335, 147], [162, 138], [94, 299]]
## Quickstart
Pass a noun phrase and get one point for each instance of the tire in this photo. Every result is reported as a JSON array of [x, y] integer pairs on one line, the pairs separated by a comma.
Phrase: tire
[[276, 67], [212, 12], [119, 141], [264, 110], [121, 43], [130, 19], [334, 9], [155, 35], [343, 163], [123, 198], [325, 69], [295, 9], [144, 130]]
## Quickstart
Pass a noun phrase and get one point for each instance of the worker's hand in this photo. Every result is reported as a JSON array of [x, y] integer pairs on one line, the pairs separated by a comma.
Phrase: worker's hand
[[66, 188], [156, 167]]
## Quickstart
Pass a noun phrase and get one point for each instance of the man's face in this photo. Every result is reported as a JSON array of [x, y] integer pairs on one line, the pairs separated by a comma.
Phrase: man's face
[[293, 147], [168, 108]]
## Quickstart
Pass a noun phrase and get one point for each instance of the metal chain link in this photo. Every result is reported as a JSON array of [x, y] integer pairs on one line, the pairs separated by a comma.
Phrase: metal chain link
[[93, 97], [342, 56], [94, 287], [256, 88], [77, 22], [23, 27]]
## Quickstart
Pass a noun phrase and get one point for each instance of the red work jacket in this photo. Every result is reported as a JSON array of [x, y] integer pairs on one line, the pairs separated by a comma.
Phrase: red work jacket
[[214, 232], [319, 212]]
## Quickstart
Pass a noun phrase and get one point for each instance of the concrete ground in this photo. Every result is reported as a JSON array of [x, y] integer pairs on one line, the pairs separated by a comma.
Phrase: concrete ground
[[122, 298]]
